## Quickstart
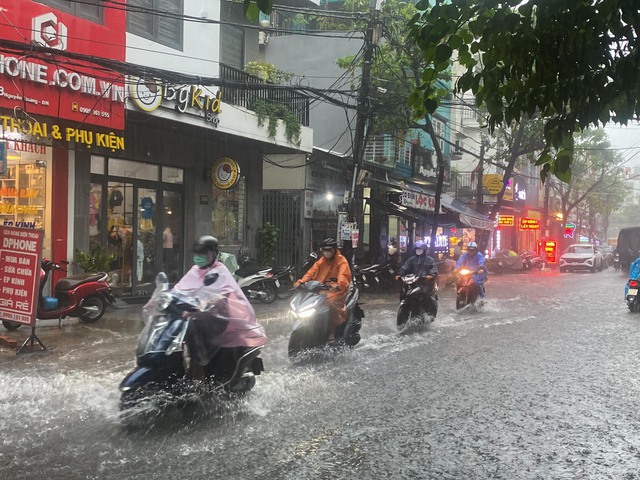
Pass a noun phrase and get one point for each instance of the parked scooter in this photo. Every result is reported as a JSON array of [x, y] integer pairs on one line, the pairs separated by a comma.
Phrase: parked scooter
[[466, 290], [311, 314], [417, 307], [633, 302], [531, 261], [284, 276], [162, 358], [84, 295]]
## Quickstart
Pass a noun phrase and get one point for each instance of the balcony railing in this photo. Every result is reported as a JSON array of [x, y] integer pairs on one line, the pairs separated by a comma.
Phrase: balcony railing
[[463, 185], [383, 150], [298, 103]]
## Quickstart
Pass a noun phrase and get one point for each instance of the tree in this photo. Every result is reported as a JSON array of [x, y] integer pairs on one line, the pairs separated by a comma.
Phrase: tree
[[573, 62], [597, 174], [396, 72]]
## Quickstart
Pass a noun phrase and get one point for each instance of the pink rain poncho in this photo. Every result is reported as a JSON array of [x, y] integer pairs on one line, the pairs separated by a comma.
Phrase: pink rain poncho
[[242, 329]]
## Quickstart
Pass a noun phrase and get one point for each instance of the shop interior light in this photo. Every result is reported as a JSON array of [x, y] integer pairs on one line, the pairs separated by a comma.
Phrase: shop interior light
[[329, 196]]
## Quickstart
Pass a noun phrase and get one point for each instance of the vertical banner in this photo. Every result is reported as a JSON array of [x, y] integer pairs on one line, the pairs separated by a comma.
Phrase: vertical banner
[[355, 236], [20, 251]]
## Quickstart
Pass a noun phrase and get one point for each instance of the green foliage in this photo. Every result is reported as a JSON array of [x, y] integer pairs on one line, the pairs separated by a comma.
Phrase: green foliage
[[268, 72], [96, 260], [252, 8], [272, 112], [573, 62], [268, 236]]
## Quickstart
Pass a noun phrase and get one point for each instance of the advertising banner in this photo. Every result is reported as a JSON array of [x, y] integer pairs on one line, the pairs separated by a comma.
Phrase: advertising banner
[[53, 85], [527, 224], [20, 251]]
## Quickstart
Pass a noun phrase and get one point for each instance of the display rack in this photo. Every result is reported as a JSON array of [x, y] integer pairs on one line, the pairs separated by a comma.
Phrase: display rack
[[22, 196]]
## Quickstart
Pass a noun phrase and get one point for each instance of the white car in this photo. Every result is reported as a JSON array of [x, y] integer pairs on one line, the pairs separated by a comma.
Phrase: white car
[[584, 256]]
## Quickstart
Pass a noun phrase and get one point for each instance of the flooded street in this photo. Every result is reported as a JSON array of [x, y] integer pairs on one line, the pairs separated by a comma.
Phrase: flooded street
[[540, 383]]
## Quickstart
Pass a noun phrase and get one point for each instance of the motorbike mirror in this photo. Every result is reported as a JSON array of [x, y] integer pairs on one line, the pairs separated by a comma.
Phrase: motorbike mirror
[[210, 278], [314, 255]]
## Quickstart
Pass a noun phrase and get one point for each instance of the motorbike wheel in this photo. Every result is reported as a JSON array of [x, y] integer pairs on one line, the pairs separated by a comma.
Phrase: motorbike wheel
[[98, 307], [10, 325], [461, 300], [404, 315], [270, 293], [298, 342]]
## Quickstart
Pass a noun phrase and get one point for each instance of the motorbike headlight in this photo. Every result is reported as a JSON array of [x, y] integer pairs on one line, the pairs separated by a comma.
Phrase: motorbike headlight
[[308, 313]]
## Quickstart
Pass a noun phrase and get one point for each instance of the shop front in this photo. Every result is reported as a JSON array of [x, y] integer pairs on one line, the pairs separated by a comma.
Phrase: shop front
[[136, 209]]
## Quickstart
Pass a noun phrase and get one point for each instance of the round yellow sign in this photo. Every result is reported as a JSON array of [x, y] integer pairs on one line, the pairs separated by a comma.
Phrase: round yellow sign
[[225, 173], [494, 185]]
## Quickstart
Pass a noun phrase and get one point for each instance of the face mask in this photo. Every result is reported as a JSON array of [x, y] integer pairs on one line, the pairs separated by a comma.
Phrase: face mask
[[419, 251], [201, 260], [327, 254]]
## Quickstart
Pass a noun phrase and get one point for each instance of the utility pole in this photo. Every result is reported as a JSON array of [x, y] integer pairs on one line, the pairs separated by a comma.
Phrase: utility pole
[[480, 190], [363, 120]]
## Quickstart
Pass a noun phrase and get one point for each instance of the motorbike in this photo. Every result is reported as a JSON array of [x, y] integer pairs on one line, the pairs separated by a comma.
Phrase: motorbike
[[377, 276], [284, 276], [84, 295], [364, 276], [616, 261], [416, 304], [162, 356], [632, 295], [311, 259], [311, 314], [531, 261], [466, 291]]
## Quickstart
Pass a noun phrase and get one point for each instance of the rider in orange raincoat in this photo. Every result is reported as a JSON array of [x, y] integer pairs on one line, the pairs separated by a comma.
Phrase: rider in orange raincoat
[[333, 269]]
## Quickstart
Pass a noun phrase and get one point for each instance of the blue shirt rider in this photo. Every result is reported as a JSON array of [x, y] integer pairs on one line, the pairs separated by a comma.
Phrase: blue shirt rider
[[634, 273], [473, 260]]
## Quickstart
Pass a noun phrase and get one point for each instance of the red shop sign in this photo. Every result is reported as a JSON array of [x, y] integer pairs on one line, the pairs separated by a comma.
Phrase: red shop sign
[[20, 250], [53, 85], [529, 224], [548, 248]]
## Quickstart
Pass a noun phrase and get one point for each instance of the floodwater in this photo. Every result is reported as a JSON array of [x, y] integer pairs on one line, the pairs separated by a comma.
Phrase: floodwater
[[540, 383]]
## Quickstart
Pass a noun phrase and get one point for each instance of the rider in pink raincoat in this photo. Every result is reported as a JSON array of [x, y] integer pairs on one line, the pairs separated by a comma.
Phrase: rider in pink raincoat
[[233, 321]]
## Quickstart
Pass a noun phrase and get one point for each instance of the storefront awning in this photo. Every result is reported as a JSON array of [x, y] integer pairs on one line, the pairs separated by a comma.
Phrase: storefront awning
[[466, 216]]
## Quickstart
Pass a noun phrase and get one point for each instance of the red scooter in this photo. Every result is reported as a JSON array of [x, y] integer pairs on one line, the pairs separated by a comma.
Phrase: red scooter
[[466, 290], [84, 295]]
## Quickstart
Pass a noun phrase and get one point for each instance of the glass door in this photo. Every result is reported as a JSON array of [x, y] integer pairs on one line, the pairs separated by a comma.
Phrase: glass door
[[145, 262], [120, 235], [172, 241]]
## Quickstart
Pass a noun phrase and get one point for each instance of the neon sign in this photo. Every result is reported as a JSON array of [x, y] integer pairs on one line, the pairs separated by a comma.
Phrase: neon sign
[[569, 230], [527, 224], [506, 221]]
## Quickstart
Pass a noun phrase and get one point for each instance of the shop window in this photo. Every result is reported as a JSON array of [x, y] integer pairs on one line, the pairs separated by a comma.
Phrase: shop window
[[97, 165], [23, 188], [95, 217], [172, 175], [158, 20], [129, 169], [228, 214], [89, 9]]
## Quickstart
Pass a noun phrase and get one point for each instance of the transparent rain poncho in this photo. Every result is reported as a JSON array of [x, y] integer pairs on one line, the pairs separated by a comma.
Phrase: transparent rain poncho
[[226, 319]]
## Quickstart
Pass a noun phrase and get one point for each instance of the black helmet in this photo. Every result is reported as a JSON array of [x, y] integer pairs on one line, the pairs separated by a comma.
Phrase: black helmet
[[329, 243], [205, 244]]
